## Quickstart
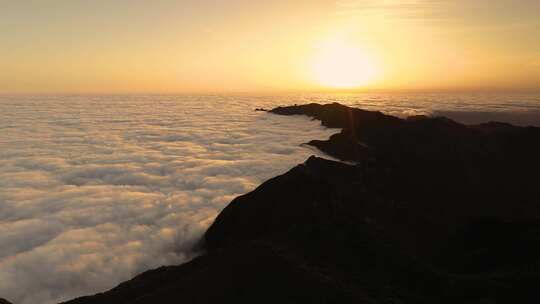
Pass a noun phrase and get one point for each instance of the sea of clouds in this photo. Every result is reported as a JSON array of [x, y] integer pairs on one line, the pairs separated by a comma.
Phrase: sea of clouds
[[94, 190]]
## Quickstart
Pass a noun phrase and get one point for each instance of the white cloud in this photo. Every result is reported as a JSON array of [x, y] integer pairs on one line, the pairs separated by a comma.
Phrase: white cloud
[[93, 192]]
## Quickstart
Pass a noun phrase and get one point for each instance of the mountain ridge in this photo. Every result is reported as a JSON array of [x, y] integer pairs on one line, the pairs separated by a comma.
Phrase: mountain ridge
[[430, 210]]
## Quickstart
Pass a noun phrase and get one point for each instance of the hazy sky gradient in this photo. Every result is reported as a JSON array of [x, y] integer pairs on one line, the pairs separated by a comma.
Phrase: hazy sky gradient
[[165, 46]]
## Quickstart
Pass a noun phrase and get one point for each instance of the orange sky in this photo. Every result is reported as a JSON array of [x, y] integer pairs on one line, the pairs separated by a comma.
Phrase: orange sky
[[162, 46]]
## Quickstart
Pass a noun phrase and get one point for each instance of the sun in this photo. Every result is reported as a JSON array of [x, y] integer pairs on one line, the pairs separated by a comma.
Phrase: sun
[[341, 66]]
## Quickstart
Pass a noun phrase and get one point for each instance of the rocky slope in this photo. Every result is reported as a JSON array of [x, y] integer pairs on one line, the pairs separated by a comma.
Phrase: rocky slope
[[432, 211]]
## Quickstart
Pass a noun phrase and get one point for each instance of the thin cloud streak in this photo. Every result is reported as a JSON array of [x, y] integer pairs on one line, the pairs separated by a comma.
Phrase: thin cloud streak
[[477, 11]]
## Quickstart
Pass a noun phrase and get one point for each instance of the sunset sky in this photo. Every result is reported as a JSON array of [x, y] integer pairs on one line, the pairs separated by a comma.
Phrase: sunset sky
[[193, 46]]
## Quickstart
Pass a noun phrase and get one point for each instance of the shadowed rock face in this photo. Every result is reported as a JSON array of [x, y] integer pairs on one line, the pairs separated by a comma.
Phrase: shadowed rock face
[[3, 301], [437, 159], [432, 212], [252, 271], [342, 221]]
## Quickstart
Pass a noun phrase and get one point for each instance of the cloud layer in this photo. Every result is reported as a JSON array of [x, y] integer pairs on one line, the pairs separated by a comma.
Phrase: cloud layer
[[94, 190]]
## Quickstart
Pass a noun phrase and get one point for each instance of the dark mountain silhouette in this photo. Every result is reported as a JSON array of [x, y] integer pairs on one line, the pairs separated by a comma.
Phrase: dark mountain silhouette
[[431, 211], [3, 301]]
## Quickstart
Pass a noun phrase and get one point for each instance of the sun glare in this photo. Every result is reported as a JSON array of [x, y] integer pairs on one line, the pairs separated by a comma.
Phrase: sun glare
[[342, 66]]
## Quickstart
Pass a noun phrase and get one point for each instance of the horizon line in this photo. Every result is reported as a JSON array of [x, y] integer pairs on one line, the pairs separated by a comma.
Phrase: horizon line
[[277, 92]]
